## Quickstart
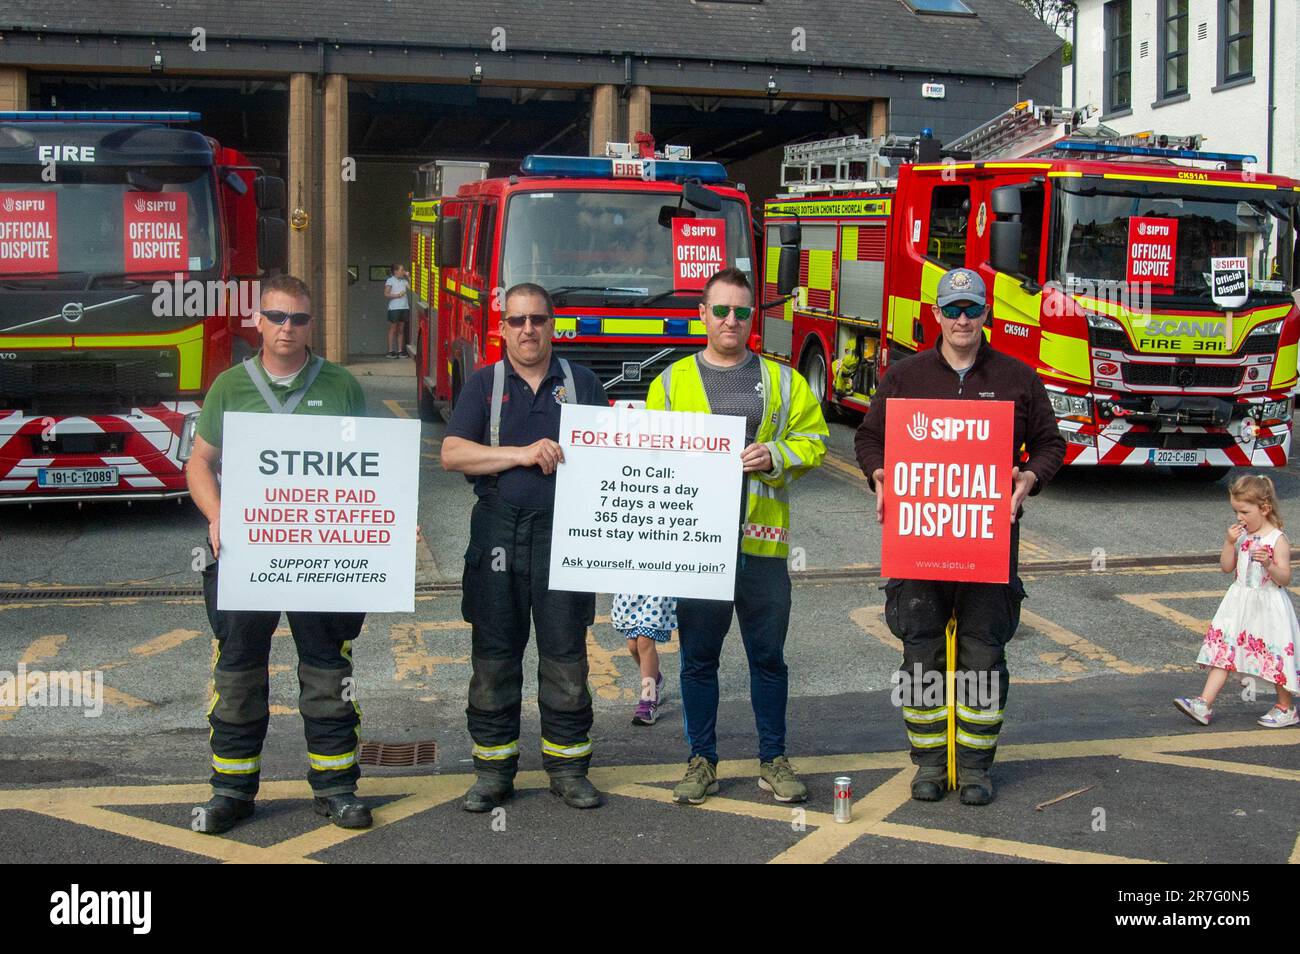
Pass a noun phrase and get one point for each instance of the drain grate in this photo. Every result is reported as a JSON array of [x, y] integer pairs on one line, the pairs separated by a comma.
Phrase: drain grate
[[398, 754]]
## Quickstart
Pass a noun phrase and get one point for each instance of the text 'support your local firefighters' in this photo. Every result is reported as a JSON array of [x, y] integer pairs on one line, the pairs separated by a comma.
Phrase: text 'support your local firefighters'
[[647, 502], [318, 513]]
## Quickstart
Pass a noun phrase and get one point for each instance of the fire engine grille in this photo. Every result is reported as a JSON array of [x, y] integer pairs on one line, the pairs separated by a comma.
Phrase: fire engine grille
[[1108, 339], [1168, 440], [1181, 376], [1260, 344], [607, 361], [42, 383]]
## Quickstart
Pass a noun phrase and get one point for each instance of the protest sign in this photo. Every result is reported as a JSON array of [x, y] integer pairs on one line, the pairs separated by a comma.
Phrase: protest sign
[[1152, 242], [647, 502], [699, 251], [318, 513], [948, 490]]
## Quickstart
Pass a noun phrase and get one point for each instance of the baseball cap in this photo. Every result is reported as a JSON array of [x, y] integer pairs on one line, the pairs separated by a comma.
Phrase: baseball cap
[[960, 284]]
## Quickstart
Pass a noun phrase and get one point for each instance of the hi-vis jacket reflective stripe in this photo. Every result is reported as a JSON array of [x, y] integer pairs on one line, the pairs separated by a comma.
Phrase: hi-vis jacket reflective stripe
[[792, 428]]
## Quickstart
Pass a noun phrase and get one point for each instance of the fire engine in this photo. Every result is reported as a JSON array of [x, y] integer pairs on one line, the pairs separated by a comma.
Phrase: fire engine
[[127, 249], [620, 241], [1097, 252]]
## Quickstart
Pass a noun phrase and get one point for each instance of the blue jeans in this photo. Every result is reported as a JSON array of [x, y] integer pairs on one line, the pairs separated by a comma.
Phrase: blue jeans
[[762, 606]]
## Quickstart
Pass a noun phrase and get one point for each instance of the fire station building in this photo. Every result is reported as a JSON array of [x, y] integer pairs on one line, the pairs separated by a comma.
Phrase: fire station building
[[345, 98]]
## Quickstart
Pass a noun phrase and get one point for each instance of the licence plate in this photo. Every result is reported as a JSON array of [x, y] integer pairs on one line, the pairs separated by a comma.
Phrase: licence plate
[[1178, 458], [76, 477]]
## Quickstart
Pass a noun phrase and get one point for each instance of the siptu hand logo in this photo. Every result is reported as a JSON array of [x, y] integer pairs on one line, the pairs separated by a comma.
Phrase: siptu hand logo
[[919, 426]]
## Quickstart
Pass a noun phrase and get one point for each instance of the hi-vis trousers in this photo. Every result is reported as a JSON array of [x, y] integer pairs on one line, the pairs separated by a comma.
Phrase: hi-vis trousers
[[917, 612], [506, 581], [239, 711]]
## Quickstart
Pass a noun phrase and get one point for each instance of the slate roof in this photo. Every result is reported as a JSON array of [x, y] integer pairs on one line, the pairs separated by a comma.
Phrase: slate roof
[[1003, 39]]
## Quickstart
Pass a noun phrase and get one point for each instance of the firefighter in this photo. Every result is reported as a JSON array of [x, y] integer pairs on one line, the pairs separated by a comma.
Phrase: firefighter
[[284, 377], [963, 366], [785, 437], [503, 436]]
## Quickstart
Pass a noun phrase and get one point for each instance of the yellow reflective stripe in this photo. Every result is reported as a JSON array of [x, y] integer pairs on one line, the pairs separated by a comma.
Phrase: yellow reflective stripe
[[930, 275], [1192, 181], [26, 341], [1066, 355], [566, 324], [980, 716], [236, 766], [697, 327], [849, 243], [566, 751], [820, 262], [976, 741], [471, 293], [928, 740], [449, 285], [332, 763], [941, 166], [1012, 303], [495, 753], [925, 715], [188, 341], [902, 313], [1017, 165], [1065, 174], [632, 326], [1284, 371]]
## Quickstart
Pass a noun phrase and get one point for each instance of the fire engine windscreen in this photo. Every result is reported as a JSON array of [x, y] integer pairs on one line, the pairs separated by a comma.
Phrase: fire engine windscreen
[[91, 230], [1211, 223], [604, 244]]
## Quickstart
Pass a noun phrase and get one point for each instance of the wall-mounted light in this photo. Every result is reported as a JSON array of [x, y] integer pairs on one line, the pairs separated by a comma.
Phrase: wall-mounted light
[[772, 88], [477, 75], [157, 65]]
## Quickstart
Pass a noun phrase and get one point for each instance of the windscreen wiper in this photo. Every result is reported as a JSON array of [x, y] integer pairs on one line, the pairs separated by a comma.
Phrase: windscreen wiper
[[603, 289]]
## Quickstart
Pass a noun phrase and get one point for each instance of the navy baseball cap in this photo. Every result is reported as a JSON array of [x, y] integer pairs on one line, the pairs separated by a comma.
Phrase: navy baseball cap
[[960, 284]]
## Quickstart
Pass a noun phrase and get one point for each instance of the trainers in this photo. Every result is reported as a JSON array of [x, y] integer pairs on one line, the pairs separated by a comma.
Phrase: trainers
[[975, 786], [647, 711], [659, 689], [778, 778], [576, 790], [487, 792], [346, 811], [701, 780], [1279, 718], [220, 814], [930, 783], [1196, 709]]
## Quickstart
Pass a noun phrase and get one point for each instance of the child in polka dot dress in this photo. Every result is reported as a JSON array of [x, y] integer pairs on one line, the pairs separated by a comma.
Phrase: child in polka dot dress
[[646, 621], [1254, 632]]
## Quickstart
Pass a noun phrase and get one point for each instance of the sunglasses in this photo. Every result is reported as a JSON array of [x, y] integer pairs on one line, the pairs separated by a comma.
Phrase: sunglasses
[[517, 321], [971, 311], [721, 311], [297, 318]]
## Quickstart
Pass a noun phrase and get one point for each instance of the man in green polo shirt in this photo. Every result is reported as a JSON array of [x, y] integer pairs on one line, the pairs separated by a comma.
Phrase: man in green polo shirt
[[283, 378]]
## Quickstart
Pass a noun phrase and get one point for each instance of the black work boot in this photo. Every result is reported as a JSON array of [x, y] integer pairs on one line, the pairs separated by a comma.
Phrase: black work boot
[[975, 784], [930, 783], [487, 792], [220, 814], [346, 811], [576, 790]]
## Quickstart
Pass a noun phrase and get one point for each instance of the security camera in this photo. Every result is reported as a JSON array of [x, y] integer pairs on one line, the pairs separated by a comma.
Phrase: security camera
[[477, 75]]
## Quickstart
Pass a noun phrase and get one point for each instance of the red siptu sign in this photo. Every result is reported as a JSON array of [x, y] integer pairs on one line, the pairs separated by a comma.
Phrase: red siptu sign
[[28, 232], [154, 233], [1151, 246], [699, 250], [948, 490]]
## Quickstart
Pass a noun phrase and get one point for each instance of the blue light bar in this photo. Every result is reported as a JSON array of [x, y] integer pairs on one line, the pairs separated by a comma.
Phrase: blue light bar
[[600, 167], [97, 116], [1117, 150]]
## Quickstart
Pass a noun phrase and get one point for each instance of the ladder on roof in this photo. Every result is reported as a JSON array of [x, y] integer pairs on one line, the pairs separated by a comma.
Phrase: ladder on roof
[[844, 164], [1023, 130]]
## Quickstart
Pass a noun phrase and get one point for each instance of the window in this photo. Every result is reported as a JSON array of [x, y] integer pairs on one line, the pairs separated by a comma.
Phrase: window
[[1236, 39], [1119, 67], [1173, 48], [950, 7], [483, 248], [949, 215], [1031, 231]]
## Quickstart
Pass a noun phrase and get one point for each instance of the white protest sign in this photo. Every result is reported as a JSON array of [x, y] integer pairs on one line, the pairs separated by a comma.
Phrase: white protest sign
[[1228, 286], [647, 502], [318, 513]]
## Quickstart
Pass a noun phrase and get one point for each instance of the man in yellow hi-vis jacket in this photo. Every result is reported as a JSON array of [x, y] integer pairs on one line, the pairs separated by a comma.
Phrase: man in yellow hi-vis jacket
[[785, 436]]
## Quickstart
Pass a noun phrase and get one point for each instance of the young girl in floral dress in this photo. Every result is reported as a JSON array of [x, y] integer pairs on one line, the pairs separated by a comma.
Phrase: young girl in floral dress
[[1254, 631]]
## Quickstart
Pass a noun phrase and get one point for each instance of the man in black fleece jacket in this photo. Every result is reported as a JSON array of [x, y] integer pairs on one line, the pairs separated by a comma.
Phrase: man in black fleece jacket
[[962, 366]]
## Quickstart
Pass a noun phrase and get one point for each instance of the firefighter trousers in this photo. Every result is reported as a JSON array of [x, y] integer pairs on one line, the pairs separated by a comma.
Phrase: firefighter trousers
[[506, 582], [239, 711], [917, 612]]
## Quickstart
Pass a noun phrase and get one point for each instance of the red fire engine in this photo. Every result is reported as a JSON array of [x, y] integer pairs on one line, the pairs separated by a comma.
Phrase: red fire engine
[[1098, 253], [613, 239], [127, 250]]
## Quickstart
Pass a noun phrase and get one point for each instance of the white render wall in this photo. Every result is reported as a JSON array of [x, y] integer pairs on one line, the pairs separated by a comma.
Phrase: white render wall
[[1232, 120]]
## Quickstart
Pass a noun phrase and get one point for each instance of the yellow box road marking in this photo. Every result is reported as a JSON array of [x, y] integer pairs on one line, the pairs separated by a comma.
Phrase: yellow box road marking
[[1078, 645]]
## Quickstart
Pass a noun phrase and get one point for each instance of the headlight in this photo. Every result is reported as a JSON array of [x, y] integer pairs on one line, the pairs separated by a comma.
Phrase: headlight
[[1101, 321], [187, 436], [1068, 405], [1268, 328], [1271, 441], [1275, 410]]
